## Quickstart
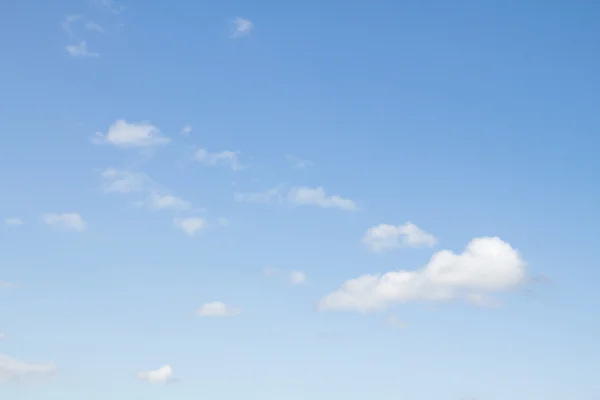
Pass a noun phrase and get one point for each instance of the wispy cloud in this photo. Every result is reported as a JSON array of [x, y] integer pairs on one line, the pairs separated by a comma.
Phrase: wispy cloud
[[81, 50], [293, 277], [69, 221], [190, 225], [14, 370], [94, 27], [186, 130], [300, 196], [225, 158], [113, 6], [13, 221], [298, 163], [241, 27]]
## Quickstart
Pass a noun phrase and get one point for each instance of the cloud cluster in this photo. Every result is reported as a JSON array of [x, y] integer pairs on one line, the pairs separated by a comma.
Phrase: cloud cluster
[[487, 265]]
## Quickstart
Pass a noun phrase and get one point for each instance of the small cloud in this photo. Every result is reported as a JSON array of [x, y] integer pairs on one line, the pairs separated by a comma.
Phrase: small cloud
[[224, 222], [298, 163], [294, 277], [217, 309], [118, 181], [67, 23], [162, 202], [300, 196], [298, 278], [242, 27], [129, 135], [385, 237], [13, 221], [8, 285], [160, 376], [14, 370], [189, 225], [395, 322], [186, 130], [113, 6], [94, 27], [81, 50], [66, 221], [224, 158]]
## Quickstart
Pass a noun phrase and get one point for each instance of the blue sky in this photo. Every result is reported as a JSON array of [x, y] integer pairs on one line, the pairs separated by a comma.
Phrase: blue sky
[[299, 200]]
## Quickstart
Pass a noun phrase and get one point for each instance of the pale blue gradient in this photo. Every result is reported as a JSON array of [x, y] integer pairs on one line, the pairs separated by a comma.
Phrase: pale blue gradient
[[468, 118]]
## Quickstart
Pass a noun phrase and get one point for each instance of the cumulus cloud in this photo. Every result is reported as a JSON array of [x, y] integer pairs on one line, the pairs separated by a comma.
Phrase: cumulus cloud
[[160, 376], [129, 135], [189, 225], [14, 370], [13, 221], [225, 158], [217, 309], [242, 27], [488, 265], [300, 196], [385, 237], [69, 221], [298, 163]]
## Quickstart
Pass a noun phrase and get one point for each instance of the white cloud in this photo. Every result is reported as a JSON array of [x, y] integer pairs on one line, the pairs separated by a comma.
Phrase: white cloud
[[81, 50], [13, 221], [12, 369], [224, 158], [189, 225], [242, 27], [119, 181], [68, 22], [395, 322], [160, 376], [487, 265], [384, 237], [217, 309], [300, 196], [128, 135], [298, 277], [186, 130], [298, 163], [66, 221]]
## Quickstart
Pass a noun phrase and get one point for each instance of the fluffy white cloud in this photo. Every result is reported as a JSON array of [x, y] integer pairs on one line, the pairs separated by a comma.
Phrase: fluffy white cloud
[[300, 196], [66, 221], [298, 163], [160, 376], [13, 221], [217, 309], [81, 50], [488, 265], [387, 237], [189, 225], [242, 27], [12, 369], [127, 135], [226, 158]]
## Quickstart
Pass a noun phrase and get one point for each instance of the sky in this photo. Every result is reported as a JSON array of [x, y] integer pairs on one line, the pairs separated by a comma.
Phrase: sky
[[292, 200]]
